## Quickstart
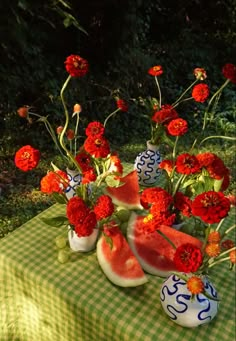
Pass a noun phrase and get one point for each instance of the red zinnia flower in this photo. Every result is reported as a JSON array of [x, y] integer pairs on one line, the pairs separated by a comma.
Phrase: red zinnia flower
[[153, 221], [155, 70], [84, 161], [94, 129], [165, 115], [104, 207], [122, 105], [54, 182], [188, 258], [76, 66], [195, 285], [187, 164], [200, 92], [76, 210], [86, 227], [183, 203], [206, 159], [217, 168], [97, 146], [27, 158], [200, 73], [23, 112], [152, 195], [89, 176], [162, 202], [211, 206], [167, 165], [229, 71], [177, 127]]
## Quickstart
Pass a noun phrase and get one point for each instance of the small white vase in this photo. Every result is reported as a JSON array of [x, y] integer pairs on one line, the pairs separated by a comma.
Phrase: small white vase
[[181, 309], [82, 244], [74, 180], [147, 165]]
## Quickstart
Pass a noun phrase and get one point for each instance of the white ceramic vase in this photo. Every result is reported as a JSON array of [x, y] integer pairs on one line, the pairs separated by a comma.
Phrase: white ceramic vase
[[181, 309], [147, 165], [82, 244]]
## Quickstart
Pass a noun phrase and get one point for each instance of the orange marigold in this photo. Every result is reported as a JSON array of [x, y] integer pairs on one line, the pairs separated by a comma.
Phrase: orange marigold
[[212, 249], [232, 256], [195, 285], [214, 237]]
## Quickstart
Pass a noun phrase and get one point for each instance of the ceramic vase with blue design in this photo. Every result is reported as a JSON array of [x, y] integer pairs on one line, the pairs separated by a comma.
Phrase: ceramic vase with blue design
[[178, 304], [147, 165], [75, 179]]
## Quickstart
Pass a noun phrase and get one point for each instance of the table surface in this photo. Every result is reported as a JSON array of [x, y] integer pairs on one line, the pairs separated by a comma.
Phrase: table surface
[[43, 300]]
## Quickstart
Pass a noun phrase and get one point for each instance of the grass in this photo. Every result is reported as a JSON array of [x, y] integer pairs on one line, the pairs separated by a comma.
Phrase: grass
[[21, 199]]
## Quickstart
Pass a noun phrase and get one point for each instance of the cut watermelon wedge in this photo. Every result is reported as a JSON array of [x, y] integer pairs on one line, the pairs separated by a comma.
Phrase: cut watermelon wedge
[[127, 195], [118, 261], [154, 252]]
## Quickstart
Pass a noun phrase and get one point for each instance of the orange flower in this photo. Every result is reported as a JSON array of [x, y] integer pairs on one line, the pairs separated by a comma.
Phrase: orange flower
[[77, 108], [23, 112], [155, 70], [200, 92], [59, 130], [167, 165], [70, 134], [214, 237], [200, 73], [195, 285], [232, 256], [213, 249], [27, 158]]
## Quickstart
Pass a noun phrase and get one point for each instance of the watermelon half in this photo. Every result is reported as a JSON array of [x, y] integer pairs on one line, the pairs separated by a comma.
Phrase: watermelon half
[[118, 261], [127, 195], [154, 252]]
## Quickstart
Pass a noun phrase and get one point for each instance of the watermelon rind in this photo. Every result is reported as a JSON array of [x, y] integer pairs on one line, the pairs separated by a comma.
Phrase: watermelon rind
[[113, 276], [159, 259]]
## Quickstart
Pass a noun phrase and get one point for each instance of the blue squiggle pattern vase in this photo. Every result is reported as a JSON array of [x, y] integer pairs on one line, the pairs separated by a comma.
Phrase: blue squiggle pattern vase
[[74, 180], [147, 165], [178, 305]]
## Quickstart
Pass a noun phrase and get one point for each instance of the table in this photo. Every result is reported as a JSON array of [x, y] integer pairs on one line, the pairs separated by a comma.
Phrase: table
[[43, 300]]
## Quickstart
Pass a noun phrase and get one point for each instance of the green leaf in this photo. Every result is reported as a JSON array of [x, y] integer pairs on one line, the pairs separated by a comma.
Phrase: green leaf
[[56, 221], [108, 240], [217, 184]]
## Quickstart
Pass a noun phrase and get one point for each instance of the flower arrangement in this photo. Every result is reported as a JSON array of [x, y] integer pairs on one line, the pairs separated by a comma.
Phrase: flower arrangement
[[95, 163]]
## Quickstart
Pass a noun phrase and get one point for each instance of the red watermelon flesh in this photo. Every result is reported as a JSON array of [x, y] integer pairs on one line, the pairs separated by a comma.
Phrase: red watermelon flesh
[[127, 195], [118, 261], [153, 251]]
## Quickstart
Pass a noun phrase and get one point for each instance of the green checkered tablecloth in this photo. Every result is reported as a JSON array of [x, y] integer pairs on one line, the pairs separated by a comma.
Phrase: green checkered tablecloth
[[43, 300]]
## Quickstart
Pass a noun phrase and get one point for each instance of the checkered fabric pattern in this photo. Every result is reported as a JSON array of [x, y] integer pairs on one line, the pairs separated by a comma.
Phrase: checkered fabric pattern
[[43, 300]]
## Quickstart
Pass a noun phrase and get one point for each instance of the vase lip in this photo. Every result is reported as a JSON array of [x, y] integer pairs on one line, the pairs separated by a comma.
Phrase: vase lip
[[151, 145]]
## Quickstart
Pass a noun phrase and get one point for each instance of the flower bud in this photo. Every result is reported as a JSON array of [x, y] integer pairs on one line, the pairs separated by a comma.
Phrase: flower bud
[[23, 112], [77, 108], [59, 130], [200, 73], [70, 134]]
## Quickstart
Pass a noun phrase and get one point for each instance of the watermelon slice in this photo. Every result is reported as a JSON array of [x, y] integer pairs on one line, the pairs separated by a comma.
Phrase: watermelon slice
[[127, 195], [118, 261], [154, 252]]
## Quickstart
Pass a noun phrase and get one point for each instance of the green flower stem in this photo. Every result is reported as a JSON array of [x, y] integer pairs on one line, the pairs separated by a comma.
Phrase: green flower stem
[[183, 94], [166, 238], [207, 111], [110, 115], [159, 91], [182, 178], [175, 146], [68, 153], [183, 100], [230, 229], [76, 132], [220, 223]]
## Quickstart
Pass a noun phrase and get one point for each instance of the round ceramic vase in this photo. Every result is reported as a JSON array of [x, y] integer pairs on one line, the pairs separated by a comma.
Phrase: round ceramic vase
[[82, 244], [182, 309], [147, 165], [74, 180]]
